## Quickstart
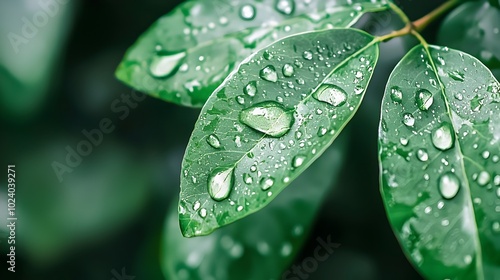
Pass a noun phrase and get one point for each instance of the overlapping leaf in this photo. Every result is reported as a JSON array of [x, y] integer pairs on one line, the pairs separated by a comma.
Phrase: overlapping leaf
[[261, 246], [269, 121], [440, 163], [187, 54]]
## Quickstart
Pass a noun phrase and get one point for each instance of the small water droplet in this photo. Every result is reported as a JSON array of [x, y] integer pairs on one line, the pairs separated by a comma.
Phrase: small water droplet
[[457, 76], [163, 66], [443, 137], [247, 179], [298, 160], [408, 119], [449, 185], [424, 99], [220, 183], [403, 141], [331, 94], [196, 205], [285, 7], [483, 178], [322, 131], [269, 74], [247, 12], [396, 94], [307, 55], [240, 99], [495, 227], [213, 141], [288, 70], [422, 155], [250, 89], [266, 183], [203, 212], [268, 117], [358, 90], [268, 55]]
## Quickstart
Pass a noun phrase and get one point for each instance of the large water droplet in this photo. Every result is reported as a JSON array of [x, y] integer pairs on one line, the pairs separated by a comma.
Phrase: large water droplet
[[268, 117], [424, 99], [449, 184], [288, 70], [250, 89], [298, 161], [443, 137], [220, 183], [285, 6], [483, 178], [166, 65], [422, 155], [266, 183], [213, 141], [408, 119], [247, 12], [268, 73], [307, 55], [331, 94], [396, 94]]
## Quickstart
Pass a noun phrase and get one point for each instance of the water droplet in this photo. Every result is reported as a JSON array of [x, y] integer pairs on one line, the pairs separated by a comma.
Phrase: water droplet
[[269, 74], [213, 141], [286, 250], [408, 119], [288, 70], [240, 99], [496, 181], [457, 76], [322, 131], [166, 65], [424, 99], [485, 154], [483, 178], [203, 212], [358, 90], [196, 205], [495, 227], [396, 94], [422, 155], [331, 94], [285, 6], [298, 161], [220, 183], [247, 12], [247, 179], [443, 137], [449, 184], [268, 55], [403, 141], [268, 117], [266, 183], [476, 103], [250, 89], [307, 55]]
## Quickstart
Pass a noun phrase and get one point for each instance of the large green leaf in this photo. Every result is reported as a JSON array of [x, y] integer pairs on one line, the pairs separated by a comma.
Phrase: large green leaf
[[474, 27], [187, 54], [269, 121], [440, 169], [258, 247]]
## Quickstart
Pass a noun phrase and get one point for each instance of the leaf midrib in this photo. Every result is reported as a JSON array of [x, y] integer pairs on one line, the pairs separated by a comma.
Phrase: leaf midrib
[[477, 240]]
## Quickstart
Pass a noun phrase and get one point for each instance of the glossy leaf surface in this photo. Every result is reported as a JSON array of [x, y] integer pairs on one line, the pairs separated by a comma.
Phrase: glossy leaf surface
[[260, 246], [187, 54], [269, 121], [440, 170]]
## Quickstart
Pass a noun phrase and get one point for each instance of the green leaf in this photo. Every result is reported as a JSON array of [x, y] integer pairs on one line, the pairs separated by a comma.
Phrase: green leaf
[[261, 246], [269, 121], [187, 54], [440, 171], [474, 27]]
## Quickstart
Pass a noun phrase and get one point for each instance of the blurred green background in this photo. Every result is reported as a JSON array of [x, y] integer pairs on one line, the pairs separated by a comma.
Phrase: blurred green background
[[108, 214]]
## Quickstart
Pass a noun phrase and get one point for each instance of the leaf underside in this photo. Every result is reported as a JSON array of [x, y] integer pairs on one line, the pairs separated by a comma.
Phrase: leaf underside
[[290, 77], [261, 246], [187, 54], [440, 169]]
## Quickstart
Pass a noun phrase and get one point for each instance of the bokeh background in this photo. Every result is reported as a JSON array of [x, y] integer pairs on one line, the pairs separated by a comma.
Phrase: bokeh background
[[108, 214]]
